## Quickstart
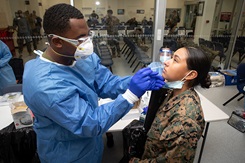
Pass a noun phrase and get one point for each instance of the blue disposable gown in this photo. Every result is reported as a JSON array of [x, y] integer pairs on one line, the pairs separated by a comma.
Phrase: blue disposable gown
[[7, 76], [64, 99]]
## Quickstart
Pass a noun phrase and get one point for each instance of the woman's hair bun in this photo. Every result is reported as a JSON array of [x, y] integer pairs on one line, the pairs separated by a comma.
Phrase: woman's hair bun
[[206, 83]]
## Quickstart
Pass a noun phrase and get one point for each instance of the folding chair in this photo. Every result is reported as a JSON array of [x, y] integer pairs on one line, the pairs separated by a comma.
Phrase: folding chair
[[18, 68], [240, 83], [219, 47], [239, 48]]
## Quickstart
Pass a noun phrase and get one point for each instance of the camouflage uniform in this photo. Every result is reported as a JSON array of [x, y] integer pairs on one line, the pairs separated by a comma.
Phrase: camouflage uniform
[[23, 33], [112, 23], [138, 39], [32, 20], [175, 131], [174, 19]]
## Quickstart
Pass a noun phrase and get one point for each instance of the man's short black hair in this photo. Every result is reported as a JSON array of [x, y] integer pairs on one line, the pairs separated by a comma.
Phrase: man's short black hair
[[56, 18], [19, 12], [109, 11]]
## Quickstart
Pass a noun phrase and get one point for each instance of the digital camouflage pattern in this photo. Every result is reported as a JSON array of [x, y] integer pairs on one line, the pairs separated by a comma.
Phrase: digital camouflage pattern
[[112, 23], [175, 131]]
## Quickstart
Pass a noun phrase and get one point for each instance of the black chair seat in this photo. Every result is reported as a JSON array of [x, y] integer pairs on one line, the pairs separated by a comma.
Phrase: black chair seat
[[107, 56], [18, 68], [107, 62]]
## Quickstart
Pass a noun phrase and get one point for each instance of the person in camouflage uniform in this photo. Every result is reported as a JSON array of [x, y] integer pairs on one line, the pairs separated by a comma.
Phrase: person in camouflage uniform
[[174, 20], [112, 23], [179, 121], [22, 26], [138, 38]]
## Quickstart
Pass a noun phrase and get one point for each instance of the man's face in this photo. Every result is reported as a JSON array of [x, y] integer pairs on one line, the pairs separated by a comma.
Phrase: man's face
[[164, 53], [109, 14], [78, 29]]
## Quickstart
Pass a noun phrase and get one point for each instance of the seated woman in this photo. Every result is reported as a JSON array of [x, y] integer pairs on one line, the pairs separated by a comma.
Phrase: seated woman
[[179, 121]]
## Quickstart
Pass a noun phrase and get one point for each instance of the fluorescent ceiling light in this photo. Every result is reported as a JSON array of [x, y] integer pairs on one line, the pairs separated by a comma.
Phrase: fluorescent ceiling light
[[97, 3]]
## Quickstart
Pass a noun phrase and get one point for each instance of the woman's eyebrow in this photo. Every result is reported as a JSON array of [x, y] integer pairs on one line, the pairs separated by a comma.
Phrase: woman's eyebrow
[[176, 56]]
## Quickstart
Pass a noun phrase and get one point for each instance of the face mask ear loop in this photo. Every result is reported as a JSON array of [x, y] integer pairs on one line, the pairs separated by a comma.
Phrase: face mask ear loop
[[70, 44], [67, 56], [183, 79]]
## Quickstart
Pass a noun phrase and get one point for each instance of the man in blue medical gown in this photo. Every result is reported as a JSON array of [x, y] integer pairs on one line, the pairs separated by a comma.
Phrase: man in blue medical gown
[[63, 85]]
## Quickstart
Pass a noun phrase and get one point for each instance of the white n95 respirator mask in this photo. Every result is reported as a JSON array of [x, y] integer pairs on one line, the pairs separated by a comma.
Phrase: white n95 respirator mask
[[84, 50]]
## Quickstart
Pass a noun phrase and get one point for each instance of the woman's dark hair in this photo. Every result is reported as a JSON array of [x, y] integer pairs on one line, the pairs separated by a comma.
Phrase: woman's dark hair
[[56, 19], [197, 60]]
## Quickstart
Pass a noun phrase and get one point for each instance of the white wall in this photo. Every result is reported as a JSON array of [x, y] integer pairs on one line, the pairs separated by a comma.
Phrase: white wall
[[227, 6], [8, 7], [5, 14], [129, 6], [178, 4], [204, 23], [17, 5]]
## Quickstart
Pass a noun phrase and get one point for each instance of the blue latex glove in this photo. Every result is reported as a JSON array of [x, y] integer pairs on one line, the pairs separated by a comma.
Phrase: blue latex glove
[[145, 79], [157, 81]]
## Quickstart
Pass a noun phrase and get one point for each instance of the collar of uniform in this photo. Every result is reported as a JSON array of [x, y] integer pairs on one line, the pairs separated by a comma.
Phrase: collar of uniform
[[170, 101]]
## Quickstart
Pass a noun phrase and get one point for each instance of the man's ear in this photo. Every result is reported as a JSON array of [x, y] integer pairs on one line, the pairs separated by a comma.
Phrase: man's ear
[[192, 75], [56, 42]]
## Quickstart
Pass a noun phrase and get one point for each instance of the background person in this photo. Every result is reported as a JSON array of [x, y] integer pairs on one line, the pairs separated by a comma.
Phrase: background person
[[22, 26], [144, 22], [63, 85], [7, 76], [164, 54], [94, 18], [150, 22], [38, 24], [32, 23], [174, 20], [112, 23], [132, 22], [179, 121], [94, 15], [138, 38]]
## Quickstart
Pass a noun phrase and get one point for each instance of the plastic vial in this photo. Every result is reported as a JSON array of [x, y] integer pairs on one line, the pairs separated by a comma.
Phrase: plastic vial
[[143, 114]]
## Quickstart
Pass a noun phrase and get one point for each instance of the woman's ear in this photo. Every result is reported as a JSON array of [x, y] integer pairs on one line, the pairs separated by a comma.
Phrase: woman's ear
[[192, 75]]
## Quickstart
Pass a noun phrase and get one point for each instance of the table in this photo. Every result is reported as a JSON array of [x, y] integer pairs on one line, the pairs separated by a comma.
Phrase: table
[[16, 145], [5, 113], [211, 114]]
